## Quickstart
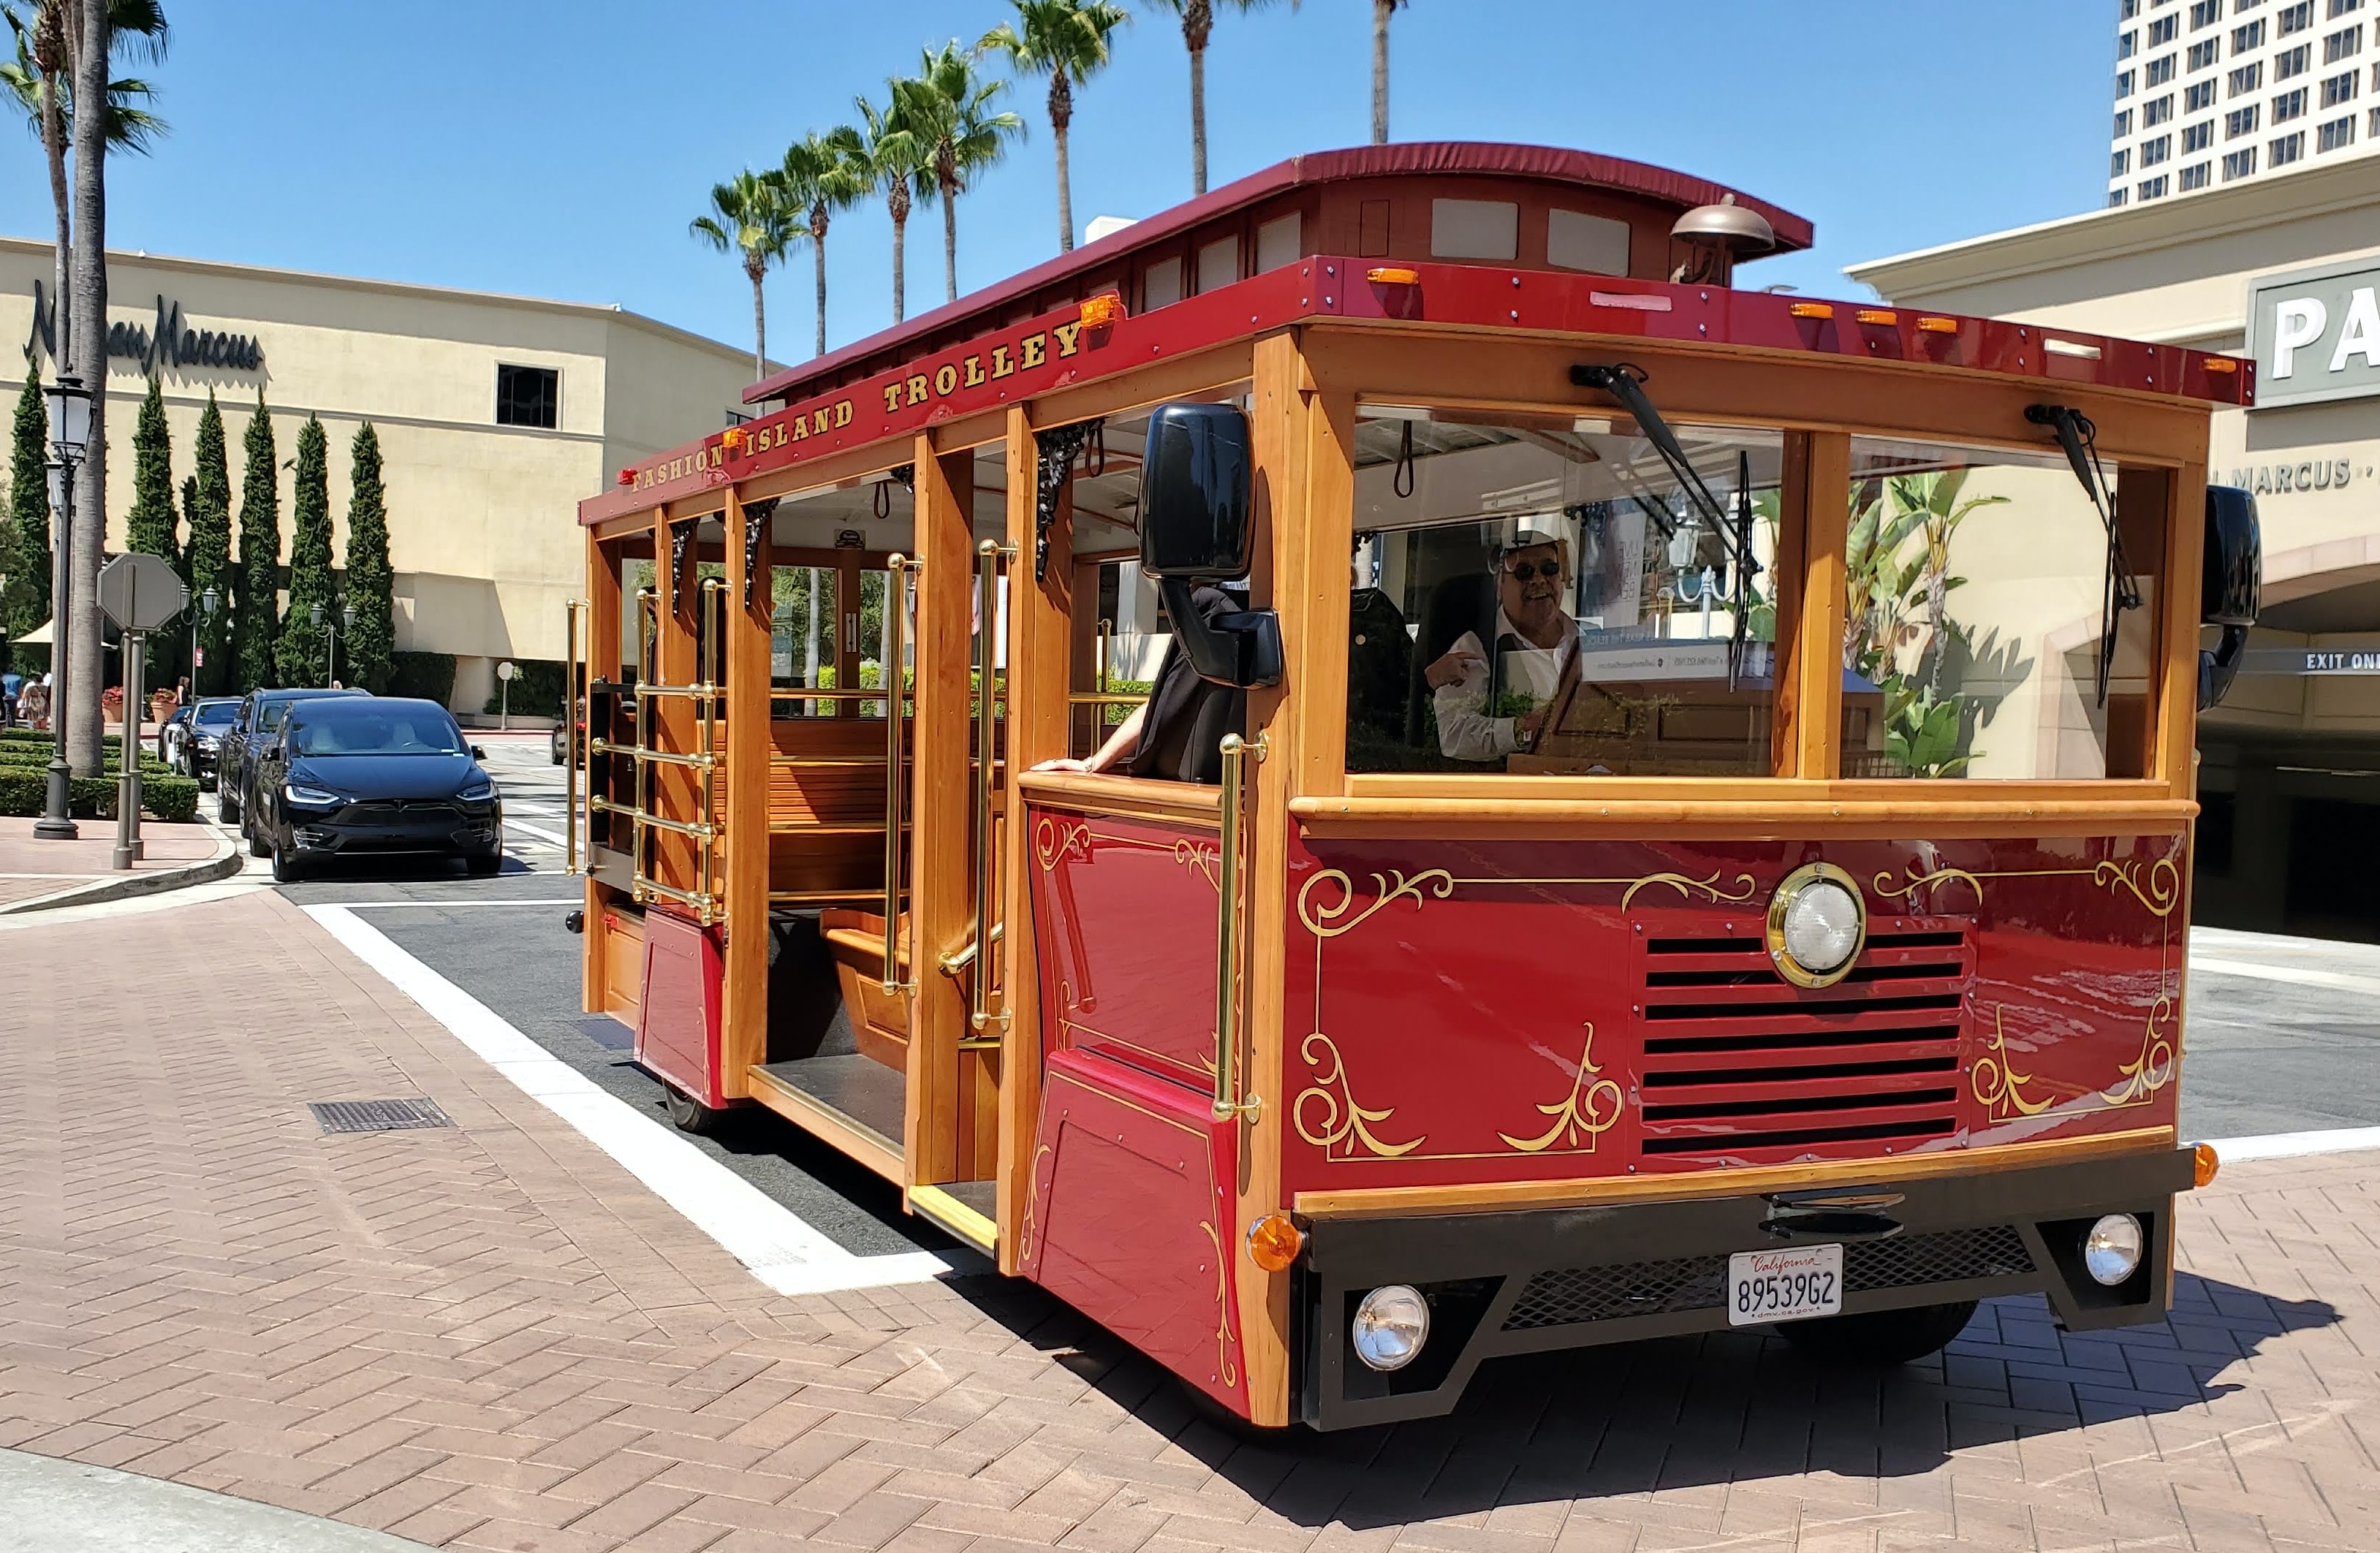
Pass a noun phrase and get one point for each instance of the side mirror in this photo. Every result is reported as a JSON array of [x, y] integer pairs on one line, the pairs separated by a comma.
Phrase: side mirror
[[478, 754], [1195, 526], [2229, 587]]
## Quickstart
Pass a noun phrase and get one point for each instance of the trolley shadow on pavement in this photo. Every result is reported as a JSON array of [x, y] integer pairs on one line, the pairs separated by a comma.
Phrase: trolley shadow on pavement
[[1727, 1407]]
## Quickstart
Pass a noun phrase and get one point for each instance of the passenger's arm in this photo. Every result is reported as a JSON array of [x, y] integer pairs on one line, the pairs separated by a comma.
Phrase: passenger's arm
[[1465, 732], [1118, 749]]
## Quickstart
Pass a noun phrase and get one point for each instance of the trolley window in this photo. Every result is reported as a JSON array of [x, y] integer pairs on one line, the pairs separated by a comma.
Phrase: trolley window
[[1538, 595]]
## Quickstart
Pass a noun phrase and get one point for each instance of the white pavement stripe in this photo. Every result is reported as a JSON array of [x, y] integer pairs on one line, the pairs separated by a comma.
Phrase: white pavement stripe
[[2293, 1146], [781, 1249], [2258, 971], [556, 837]]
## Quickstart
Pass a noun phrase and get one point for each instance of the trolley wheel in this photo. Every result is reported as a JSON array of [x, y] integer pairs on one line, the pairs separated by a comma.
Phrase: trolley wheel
[[1877, 1338], [287, 868], [690, 1115]]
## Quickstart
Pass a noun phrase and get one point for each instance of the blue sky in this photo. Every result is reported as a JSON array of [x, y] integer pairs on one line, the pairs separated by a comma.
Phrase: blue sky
[[558, 147]]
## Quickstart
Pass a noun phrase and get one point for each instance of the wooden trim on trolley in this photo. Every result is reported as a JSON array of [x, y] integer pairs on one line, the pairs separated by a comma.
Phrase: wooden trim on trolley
[[839, 1132], [1818, 608], [1381, 1202], [744, 1028], [1178, 803], [1749, 817]]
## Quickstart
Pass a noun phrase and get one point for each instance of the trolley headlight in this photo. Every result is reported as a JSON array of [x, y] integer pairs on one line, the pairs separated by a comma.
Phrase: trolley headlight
[[2111, 1252], [1817, 925], [1391, 1323]]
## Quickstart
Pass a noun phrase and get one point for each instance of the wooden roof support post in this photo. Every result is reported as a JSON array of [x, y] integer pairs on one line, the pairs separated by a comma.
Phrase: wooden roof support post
[[1304, 446], [1817, 689], [1041, 653], [940, 806], [673, 790], [744, 1032], [2175, 760], [602, 661]]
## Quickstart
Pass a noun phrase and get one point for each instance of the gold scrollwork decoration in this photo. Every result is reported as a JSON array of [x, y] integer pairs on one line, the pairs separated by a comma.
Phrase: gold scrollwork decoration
[[2162, 891], [1325, 1112], [1587, 1111], [1032, 1202], [2156, 885], [1204, 857], [1051, 843], [1227, 1372], [1685, 887], [2153, 1068], [1911, 883], [1328, 921], [1997, 1085]]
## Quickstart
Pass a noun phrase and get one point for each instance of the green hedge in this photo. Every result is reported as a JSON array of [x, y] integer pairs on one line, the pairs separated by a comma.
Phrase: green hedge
[[537, 689], [430, 677], [24, 788]]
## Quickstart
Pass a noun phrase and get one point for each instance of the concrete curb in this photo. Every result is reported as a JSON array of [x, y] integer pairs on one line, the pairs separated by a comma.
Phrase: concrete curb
[[225, 862]]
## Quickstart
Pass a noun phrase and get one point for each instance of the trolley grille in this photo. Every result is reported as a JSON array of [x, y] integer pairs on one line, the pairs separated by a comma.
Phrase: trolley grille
[[1738, 1061], [1566, 1296]]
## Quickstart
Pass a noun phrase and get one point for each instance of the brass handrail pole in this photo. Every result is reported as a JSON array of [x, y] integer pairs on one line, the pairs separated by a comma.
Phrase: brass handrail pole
[[988, 556], [712, 630], [897, 610], [648, 615], [1228, 1103], [570, 750]]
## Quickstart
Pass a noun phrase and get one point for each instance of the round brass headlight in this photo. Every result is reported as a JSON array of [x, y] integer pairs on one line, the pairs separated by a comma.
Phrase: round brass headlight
[[1817, 925]]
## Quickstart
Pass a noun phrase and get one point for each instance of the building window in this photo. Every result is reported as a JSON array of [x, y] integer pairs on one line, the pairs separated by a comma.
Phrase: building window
[[2196, 175], [2123, 85], [2197, 137], [2297, 19], [2340, 7], [2118, 163], [2129, 8], [2160, 70], [2204, 55], [527, 396], [2115, 198], [2127, 44], [2340, 89], [2343, 45], [2156, 113], [2161, 29], [2153, 188], [2240, 121], [2205, 13], [2156, 150], [2339, 134], [2292, 62], [2247, 78], [2289, 105], [2288, 149], [2238, 164], [2197, 97], [2123, 124], [2248, 38]]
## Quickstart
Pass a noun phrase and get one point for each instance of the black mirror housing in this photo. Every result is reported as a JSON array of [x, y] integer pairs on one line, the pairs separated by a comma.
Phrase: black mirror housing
[[1195, 521], [2229, 586], [478, 754]]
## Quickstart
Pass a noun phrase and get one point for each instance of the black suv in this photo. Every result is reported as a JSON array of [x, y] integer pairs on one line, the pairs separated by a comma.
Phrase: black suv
[[259, 720]]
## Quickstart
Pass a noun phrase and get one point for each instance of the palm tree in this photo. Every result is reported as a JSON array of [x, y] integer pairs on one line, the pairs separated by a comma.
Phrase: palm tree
[[1381, 11], [1197, 24], [41, 79], [1069, 39], [897, 160], [751, 218], [821, 175], [950, 107]]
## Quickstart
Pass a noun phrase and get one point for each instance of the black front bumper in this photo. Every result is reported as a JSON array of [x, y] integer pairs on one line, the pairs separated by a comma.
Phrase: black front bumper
[[454, 830], [1547, 1279]]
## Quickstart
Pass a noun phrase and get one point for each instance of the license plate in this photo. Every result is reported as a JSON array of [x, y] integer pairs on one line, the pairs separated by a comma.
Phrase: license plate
[[1790, 1285]]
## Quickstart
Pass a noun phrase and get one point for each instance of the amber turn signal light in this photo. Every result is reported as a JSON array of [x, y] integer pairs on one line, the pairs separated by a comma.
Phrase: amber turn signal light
[[2221, 364], [1937, 325], [1103, 312], [1812, 309], [1387, 275], [2205, 1164], [1274, 1242], [1877, 315]]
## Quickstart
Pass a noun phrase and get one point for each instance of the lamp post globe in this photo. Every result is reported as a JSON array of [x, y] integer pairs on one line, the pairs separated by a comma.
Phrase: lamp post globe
[[69, 406]]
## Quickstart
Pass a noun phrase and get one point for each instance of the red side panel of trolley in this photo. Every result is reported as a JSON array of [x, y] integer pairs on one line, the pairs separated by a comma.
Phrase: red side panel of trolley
[[677, 1023]]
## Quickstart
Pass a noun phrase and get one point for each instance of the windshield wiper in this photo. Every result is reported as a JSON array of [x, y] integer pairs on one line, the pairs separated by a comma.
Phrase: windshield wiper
[[2080, 438], [1625, 382]]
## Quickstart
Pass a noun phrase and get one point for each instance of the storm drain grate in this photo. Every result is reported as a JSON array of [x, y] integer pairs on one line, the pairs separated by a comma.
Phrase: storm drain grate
[[377, 1116]]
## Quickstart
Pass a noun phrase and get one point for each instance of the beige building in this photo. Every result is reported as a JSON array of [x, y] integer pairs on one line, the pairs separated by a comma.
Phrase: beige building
[[495, 416], [2285, 269]]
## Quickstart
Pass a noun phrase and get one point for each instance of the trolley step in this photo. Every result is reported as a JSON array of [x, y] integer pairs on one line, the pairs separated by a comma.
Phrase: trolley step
[[966, 1208], [852, 1101]]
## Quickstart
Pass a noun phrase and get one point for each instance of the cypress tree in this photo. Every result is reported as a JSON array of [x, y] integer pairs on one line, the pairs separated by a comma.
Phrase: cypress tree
[[371, 586], [149, 527], [304, 648], [208, 509], [257, 618], [25, 603]]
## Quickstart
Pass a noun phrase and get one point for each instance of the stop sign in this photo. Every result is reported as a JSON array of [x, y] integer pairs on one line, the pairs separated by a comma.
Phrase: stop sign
[[139, 592]]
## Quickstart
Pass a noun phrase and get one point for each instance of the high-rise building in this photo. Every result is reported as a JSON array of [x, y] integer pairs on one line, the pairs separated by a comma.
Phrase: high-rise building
[[2211, 92]]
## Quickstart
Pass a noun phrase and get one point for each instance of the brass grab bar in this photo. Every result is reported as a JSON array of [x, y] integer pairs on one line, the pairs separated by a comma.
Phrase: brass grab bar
[[649, 616], [1105, 698], [1228, 1102], [659, 823], [571, 753], [896, 609], [605, 746], [960, 959], [799, 693], [700, 692], [714, 628], [988, 556]]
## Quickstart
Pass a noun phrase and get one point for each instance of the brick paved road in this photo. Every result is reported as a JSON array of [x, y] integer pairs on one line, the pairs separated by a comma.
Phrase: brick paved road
[[493, 1338]]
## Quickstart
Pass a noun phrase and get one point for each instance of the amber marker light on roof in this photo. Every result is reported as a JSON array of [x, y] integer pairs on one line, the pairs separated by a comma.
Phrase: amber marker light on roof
[[1103, 312], [1812, 309], [1390, 275], [2205, 1164], [2221, 364], [1877, 315], [1937, 325], [1274, 1242]]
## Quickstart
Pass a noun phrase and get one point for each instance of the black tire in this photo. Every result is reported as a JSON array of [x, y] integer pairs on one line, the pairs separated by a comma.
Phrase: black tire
[[226, 804], [1880, 1338], [257, 846], [287, 868], [690, 1115], [482, 867]]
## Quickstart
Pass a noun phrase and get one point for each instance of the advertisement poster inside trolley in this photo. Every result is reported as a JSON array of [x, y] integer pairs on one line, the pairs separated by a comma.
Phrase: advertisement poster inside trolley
[[1655, 806]]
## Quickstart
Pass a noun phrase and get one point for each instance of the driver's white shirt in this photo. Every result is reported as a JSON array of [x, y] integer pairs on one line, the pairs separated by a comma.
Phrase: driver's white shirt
[[1465, 729]]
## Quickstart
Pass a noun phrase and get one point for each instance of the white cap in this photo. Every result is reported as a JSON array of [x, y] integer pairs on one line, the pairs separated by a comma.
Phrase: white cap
[[1537, 529]]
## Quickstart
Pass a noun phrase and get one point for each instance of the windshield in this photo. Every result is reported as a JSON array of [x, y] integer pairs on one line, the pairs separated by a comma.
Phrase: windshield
[[218, 715], [377, 728]]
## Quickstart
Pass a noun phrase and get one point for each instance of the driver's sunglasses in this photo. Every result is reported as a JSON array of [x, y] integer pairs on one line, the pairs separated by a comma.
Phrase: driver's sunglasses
[[1522, 571]]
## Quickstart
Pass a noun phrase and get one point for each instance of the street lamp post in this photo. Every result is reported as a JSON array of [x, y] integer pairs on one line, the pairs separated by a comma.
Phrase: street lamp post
[[69, 440], [347, 623], [209, 601]]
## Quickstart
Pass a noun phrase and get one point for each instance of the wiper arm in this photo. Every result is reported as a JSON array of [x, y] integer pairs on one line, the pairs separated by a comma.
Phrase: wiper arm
[[2080, 438]]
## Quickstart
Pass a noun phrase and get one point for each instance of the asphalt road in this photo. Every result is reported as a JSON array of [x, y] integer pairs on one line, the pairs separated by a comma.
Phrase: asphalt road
[[2262, 1055]]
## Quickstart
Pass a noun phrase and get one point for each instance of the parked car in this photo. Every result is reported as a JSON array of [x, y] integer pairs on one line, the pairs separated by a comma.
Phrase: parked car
[[171, 732], [257, 722], [201, 740], [377, 775]]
